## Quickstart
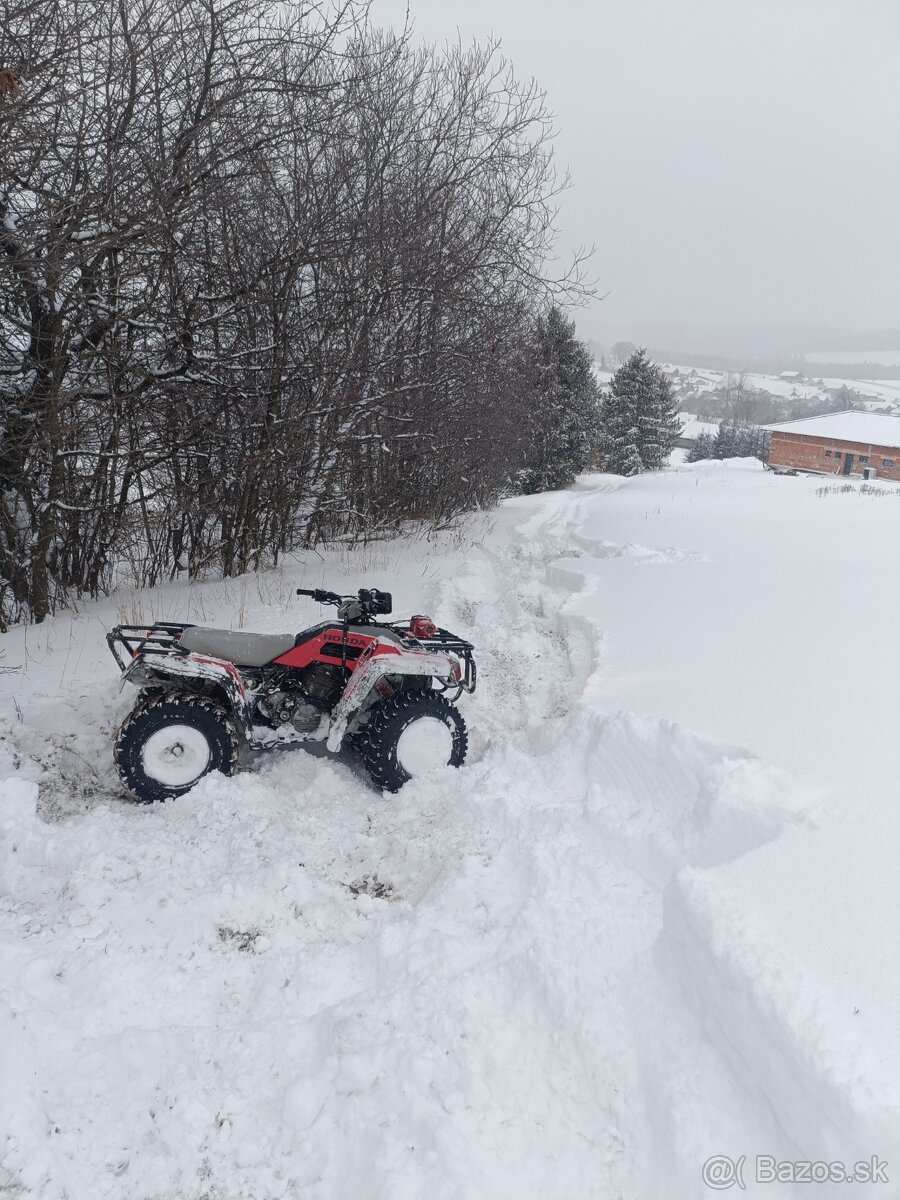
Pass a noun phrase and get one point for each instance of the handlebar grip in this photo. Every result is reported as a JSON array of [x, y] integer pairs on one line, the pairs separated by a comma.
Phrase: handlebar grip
[[320, 595]]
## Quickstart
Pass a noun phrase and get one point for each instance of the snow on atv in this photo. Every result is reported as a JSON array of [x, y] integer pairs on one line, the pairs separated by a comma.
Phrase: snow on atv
[[388, 690]]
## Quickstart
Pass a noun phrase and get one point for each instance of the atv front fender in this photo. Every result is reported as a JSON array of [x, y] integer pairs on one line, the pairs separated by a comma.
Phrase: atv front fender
[[382, 658]]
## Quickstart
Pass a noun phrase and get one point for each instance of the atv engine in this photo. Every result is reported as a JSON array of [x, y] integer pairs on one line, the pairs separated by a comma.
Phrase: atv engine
[[324, 684], [298, 698], [279, 708]]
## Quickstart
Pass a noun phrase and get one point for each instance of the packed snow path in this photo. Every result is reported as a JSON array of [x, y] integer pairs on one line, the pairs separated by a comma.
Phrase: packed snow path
[[532, 978]]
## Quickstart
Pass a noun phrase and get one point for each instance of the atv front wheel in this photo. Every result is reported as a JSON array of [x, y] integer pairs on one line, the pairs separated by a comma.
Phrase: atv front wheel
[[168, 743], [409, 734]]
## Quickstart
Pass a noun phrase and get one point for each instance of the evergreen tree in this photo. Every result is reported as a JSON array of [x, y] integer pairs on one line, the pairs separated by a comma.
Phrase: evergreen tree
[[744, 442], [564, 407], [703, 448], [621, 435], [658, 422], [724, 444], [640, 418], [732, 440], [753, 444], [735, 440]]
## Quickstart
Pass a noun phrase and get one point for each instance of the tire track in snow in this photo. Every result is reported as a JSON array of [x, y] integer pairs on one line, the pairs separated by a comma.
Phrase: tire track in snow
[[597, 872], [720, 1066]]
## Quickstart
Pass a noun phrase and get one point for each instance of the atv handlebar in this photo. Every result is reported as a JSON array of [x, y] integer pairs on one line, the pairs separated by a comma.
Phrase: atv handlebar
[[370, 601], [320, 595]]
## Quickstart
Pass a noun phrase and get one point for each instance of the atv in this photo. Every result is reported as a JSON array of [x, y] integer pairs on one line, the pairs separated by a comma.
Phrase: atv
[[386, 690]]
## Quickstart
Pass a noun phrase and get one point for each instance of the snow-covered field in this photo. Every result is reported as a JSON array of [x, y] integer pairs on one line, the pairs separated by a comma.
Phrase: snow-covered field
[[691, 427], [692, 383], [654, 919], [877, 394]]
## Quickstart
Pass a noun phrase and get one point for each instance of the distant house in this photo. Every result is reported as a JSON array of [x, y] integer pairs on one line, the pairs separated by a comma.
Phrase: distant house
[[791, 376], [844, 443]]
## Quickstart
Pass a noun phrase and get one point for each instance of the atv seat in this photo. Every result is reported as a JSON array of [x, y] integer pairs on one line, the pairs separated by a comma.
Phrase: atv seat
[[242, 649]]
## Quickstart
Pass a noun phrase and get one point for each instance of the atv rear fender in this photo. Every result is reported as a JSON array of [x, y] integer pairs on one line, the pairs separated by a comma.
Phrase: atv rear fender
[[382, 658], [194, 672]]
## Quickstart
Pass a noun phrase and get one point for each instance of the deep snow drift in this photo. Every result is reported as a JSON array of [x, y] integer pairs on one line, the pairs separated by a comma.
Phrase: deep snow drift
[[613, 945]]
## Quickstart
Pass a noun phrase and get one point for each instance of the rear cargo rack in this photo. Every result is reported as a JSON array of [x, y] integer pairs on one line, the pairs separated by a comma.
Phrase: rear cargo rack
[[128, 641]]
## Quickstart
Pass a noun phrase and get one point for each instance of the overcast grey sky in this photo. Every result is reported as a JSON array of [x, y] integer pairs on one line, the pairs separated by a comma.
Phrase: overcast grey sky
[[733, 161]]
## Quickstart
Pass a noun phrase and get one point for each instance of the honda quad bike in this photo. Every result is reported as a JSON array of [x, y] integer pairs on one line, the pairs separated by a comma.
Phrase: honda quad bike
[[388, 690]]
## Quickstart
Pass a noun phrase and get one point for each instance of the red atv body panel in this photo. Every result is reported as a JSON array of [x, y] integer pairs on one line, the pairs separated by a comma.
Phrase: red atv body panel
[[328, 644]]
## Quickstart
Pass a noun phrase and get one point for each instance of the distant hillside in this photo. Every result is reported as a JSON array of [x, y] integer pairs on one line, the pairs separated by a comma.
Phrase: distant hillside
[[762, 364], [760, 398]]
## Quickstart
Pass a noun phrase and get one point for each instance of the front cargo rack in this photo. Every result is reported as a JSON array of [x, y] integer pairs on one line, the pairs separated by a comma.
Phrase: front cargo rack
[[450, 643]]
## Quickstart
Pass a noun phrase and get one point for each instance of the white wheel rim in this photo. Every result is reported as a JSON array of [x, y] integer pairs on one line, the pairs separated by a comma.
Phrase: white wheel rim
[[423, 745], [176, 755]]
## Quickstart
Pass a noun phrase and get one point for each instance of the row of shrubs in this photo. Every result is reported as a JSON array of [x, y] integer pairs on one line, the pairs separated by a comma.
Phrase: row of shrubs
[[731, 441]]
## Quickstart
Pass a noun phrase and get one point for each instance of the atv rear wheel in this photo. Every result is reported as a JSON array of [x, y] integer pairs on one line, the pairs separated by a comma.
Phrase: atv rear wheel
[[168, 743], [409, 734]]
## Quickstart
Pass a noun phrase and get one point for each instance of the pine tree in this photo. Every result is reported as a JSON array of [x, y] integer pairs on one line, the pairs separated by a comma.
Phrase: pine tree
[[669, 417], [724, 445], [564, 407], [703, 448], [744, 442], [640, 417], [621, 435], [658, 424]]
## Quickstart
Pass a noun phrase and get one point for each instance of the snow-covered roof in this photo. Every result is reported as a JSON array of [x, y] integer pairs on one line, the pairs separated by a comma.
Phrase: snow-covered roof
[[873, 429]]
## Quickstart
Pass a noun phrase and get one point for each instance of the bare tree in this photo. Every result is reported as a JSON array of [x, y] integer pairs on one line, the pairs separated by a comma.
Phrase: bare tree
[[267, 277]]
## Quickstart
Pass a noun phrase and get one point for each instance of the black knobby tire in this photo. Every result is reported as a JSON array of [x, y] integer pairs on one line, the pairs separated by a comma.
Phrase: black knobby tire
[[376, 743], [155, 714]]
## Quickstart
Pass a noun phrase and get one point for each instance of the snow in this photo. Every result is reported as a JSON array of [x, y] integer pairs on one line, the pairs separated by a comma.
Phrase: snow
[[654, 918], [868, 428], [693, 382], [691, 427]]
